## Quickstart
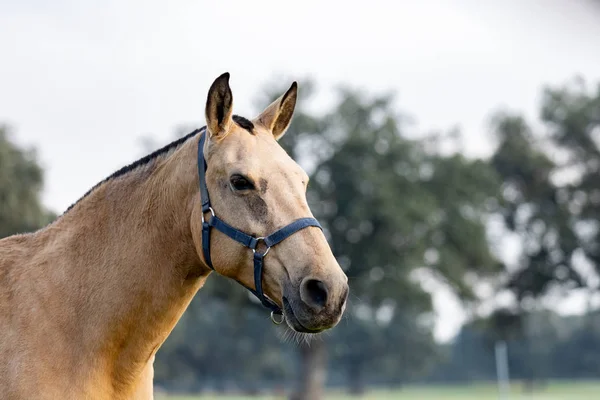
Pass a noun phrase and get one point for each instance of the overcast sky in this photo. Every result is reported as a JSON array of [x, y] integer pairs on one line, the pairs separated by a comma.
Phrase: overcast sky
[[83, 81]]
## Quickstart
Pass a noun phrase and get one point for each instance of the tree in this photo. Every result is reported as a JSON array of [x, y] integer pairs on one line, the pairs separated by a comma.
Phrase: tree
[[533, 208], [21, 182], [551, 193], [572, 116], [550, 200]]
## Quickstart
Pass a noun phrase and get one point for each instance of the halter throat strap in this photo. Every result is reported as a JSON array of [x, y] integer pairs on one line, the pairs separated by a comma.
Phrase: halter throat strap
[[243, 238]]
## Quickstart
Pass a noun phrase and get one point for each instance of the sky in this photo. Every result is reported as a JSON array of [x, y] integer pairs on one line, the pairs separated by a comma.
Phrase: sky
[[84, 81]]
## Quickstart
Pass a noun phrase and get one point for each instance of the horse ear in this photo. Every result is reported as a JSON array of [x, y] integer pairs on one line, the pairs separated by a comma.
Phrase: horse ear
[[278, 115], [219, 106]]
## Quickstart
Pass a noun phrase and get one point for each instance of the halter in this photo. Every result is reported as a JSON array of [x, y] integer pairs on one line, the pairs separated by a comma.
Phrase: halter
[[247, 240]]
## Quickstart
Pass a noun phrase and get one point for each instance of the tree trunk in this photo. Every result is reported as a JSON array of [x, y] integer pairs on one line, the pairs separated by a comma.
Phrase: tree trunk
[[313, 371], [356, 385]]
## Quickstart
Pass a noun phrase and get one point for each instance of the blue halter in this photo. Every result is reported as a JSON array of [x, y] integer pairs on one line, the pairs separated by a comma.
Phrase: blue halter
[[247, 240]]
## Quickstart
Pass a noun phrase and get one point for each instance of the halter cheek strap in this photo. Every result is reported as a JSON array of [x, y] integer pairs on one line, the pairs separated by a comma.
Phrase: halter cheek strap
[[243, 238]]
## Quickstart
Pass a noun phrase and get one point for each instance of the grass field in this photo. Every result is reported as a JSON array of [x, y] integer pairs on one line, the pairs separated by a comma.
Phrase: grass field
[[553, 391]]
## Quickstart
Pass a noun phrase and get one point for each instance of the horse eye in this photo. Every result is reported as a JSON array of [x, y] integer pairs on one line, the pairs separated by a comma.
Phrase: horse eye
[[239, 182]]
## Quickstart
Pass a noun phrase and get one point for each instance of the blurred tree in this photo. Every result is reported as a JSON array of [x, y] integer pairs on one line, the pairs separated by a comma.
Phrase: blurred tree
[[21, 181], [550, 200], [551, 193], [572, 115], [534, 209]]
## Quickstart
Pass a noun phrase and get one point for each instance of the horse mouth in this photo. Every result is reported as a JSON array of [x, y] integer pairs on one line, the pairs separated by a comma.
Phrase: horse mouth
[[293, 321]]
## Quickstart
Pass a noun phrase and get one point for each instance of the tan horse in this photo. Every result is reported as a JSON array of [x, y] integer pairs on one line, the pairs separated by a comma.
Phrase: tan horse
[[86, 302]]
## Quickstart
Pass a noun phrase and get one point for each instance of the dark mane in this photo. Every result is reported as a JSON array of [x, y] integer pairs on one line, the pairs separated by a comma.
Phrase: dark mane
[[142, 161]]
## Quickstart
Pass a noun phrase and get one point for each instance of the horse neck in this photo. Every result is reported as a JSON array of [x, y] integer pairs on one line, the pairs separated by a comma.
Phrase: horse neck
[[128, 248]]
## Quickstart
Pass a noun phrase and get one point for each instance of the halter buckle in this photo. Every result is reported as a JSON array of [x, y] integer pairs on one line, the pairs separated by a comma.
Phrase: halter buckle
[[275, 320], [258, 239], [212, 212]]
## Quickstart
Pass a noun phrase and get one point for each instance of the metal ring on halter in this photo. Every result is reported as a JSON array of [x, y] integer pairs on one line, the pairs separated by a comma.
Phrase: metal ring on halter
[[275, 321], [258, 239], [211, 211]]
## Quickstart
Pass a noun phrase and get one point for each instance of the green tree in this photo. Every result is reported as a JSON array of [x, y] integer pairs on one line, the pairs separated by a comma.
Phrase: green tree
[[533, 208], [21, 183], [551, 192], [571, 114], [550, 201]]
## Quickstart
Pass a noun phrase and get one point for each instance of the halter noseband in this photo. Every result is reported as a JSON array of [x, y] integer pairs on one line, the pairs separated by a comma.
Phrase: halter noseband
[[247, 240]]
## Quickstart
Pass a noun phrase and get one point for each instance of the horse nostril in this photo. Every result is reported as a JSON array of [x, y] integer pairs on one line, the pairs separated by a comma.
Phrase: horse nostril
[[314, 293]]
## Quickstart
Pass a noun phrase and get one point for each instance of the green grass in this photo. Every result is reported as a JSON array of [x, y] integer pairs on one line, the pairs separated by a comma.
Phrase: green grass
[[553, 391]]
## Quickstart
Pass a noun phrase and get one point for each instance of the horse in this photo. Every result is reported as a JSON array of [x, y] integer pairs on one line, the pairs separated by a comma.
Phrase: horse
[[86, 301]]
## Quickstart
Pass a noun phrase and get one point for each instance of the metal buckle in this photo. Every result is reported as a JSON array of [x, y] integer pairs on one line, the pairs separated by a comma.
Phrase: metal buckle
[[258, 239], [211, 211], [275, 321]]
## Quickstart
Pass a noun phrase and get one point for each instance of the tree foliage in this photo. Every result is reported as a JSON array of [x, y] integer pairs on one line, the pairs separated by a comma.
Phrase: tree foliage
[[551, 191], [21, 183]]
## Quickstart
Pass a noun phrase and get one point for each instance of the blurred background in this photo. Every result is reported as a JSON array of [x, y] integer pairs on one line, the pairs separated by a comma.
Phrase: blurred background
[[454, 151]]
